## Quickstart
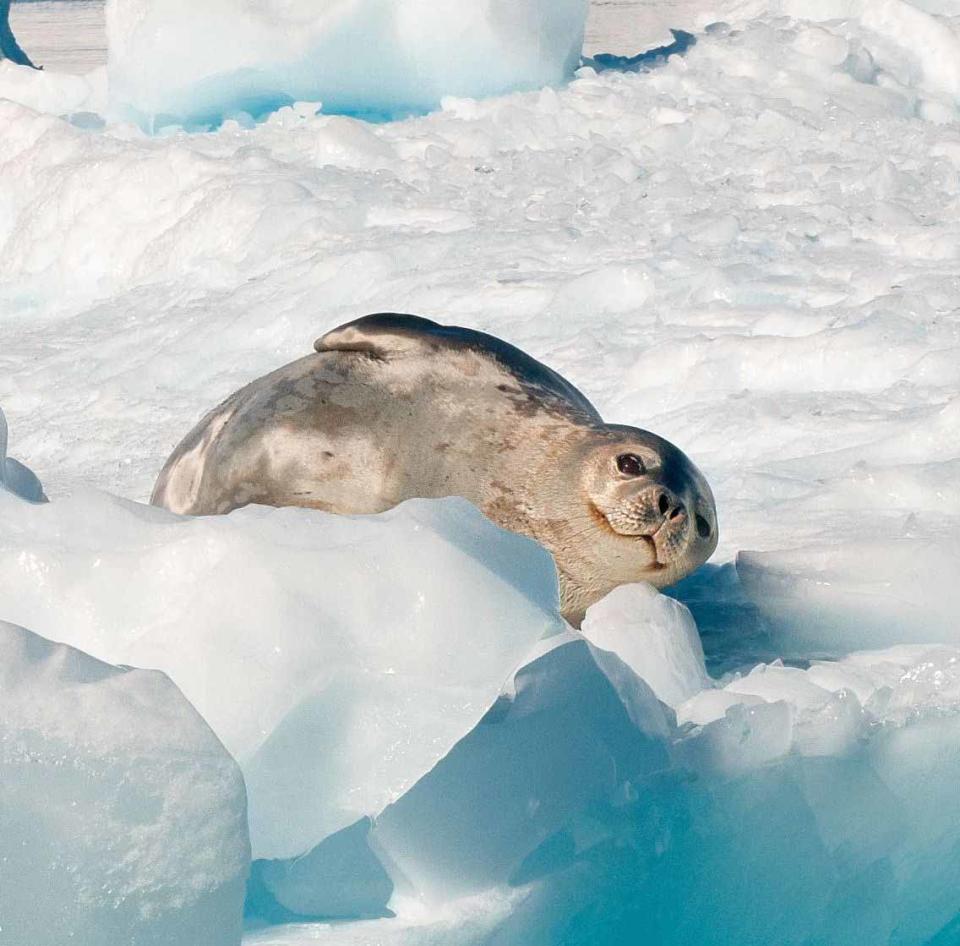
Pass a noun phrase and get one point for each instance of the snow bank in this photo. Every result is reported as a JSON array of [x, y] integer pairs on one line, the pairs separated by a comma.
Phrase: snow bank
[[14, 476], [907, 45], [338, 658], [122, 816], [172, 60]]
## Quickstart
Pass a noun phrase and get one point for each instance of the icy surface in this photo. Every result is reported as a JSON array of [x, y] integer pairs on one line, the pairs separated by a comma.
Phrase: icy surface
[[122, 817], [338, 658], [751, 248], [578, 812], [176, 60]]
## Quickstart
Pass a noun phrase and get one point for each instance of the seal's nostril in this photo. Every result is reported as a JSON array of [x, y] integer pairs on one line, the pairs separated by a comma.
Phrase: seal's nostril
[[678, 511], [664, 504], [703, 528]]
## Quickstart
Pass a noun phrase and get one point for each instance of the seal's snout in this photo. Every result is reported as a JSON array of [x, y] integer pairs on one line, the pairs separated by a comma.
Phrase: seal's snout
[[672, 533], [670, 507], [704, 529], [684, 530]]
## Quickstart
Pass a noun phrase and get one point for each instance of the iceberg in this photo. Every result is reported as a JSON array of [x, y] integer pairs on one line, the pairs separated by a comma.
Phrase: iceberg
[[172, 61]]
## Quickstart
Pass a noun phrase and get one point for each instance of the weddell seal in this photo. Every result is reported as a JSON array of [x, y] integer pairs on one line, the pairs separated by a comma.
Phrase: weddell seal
[[392, 407]]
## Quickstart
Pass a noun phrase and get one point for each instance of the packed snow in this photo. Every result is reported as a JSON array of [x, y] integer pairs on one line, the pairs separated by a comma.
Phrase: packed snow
[[747, 241], [123, 818]]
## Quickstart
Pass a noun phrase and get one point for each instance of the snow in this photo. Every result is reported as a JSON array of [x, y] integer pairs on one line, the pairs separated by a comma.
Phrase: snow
[[337, 658], [750, 247], [178, 61], [123, 818]]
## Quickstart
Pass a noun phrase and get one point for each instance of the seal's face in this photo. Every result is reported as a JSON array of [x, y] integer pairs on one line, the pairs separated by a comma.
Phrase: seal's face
[[646, 493]]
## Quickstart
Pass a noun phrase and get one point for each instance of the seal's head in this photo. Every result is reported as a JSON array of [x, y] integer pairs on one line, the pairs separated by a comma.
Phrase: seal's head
[[653, 514]]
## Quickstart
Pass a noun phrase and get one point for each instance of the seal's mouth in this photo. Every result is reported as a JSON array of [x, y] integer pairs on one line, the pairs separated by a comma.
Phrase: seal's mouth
[[656, 564], [604, 523]]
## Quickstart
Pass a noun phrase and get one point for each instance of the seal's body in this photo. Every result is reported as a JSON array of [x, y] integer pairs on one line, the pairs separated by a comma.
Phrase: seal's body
[[392, 407]]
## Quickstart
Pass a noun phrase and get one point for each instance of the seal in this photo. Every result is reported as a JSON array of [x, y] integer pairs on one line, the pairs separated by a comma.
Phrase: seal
[[391, 407]]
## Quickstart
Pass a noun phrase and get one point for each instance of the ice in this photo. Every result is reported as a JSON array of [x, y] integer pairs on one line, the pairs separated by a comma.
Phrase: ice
[[175, 60], [338, 658], [654, 635], [577, 812], [578, 792], [860, 594], [14, 476], [574, 728], [63, 36], [749, 246], [122, 816]]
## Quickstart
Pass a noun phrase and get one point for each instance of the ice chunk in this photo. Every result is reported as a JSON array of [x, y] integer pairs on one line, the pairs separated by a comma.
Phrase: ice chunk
[[122, 817], [712, 704], [337, 657], [202, 62], [897, 684], [577, 807], [829, 707], [14, 476], [578, 729], [837, 598], [341, 878], [573, 735], [654, 635]]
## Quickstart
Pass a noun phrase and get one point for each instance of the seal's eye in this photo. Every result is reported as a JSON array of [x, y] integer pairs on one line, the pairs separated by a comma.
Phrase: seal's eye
[[629, 464]]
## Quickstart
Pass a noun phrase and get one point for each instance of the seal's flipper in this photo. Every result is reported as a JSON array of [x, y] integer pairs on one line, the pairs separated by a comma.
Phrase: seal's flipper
[[386, 335]]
